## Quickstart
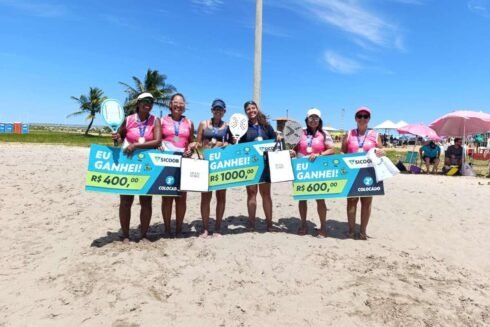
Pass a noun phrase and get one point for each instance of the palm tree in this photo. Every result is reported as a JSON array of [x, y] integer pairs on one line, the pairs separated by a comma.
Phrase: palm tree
[[154, 83], [89, 104]]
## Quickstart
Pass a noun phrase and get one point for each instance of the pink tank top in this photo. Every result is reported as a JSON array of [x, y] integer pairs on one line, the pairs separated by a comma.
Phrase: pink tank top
[[175, 134], [365, 142], [136, 128], [317, 142]]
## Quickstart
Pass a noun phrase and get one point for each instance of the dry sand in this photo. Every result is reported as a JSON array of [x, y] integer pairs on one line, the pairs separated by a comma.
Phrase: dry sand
[[426, 263]]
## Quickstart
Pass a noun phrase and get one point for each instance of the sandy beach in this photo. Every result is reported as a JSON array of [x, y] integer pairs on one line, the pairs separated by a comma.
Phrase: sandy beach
[[426, 263]]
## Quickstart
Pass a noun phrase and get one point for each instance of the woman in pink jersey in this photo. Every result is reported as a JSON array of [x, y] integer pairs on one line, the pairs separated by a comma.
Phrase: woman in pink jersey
[[177, 135], [313, 143], [361, 139], [138, 131]]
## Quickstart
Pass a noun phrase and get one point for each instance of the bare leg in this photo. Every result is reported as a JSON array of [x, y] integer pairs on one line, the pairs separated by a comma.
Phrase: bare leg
[[145, 214], [265, 193], [303, 208], [167, 202], [427, 165], [180, 208], [126, 201], [365, 214], [351, 215], [220, 210], [435, 166], [322, 214], [205, 203], [251, 205]]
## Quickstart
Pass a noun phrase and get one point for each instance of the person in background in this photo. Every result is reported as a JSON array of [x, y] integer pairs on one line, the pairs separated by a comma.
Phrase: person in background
[[258, 129], [314, 142], [213, 133], [430, 153], [138, 131], [177, 136], [361, 139], [454, 154]]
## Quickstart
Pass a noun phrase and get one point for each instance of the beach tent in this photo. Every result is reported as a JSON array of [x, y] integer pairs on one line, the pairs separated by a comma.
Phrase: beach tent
[[401, 123], [387, 124], [330, 129]]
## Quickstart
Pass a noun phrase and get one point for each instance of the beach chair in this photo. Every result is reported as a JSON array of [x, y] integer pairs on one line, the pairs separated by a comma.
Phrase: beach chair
[[411, 158]]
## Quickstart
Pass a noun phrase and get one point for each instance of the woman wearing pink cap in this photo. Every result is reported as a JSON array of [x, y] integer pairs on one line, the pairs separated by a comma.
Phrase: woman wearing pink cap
[[361, 139], [314, 142]]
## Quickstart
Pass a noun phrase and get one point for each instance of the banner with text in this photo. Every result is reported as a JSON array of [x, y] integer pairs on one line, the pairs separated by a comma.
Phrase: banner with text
[[335, 176], [145, 172], [238, 165]]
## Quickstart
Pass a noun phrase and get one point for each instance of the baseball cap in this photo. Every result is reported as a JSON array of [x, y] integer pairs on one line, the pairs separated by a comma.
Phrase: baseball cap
[[314, 111], [144, 95], [365, 109], [218, 103]]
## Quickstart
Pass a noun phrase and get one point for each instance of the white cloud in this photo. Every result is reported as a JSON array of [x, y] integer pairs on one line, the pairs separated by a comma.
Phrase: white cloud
[[480, 7], [340, 64], [208, 6]]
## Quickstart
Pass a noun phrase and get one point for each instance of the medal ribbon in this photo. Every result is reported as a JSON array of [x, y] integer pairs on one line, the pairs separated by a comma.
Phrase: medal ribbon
[[258, 129], [361, 145], [177, 127], [142, 125]]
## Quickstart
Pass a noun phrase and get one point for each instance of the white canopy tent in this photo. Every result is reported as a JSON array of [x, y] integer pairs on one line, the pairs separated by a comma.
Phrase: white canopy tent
[[387, 124], [401, 123]]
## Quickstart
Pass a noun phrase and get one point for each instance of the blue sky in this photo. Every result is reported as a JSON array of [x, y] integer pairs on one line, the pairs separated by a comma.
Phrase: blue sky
[[406, 59]]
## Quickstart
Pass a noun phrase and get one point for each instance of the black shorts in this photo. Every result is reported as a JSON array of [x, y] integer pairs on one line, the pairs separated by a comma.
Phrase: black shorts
[[432, 160]]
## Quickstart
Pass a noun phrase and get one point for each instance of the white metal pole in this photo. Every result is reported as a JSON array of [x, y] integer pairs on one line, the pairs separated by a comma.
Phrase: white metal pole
[[258, 52]]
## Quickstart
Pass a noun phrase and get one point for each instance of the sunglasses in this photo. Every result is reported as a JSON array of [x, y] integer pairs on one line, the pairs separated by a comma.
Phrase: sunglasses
[[147, 101], [361, 116], [218, 109]]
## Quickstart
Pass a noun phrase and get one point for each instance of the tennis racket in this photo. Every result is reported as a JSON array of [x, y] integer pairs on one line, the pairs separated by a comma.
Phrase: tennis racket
[[238, 125], [113, 114], [292, 132]]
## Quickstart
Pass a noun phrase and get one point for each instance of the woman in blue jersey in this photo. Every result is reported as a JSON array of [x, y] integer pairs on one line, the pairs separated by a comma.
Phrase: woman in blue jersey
[[213, 133], [258, 129]]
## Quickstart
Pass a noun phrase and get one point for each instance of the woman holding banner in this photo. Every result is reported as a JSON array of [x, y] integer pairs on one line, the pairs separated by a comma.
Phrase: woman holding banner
[[361, 139], [177, 135], [258, 129], [138, 131], [213, 133], [314, 142]]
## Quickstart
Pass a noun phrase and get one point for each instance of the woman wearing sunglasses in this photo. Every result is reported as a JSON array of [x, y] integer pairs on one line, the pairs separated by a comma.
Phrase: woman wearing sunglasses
[[177, 136], [361, 139], [139, 131], [213, 133], [258, 129], [314, 142]]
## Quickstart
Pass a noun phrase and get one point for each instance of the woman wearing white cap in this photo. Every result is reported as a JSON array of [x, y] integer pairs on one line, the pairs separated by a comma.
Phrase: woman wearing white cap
[[138, 131], [213, 133], [361, 139], [314, 142]]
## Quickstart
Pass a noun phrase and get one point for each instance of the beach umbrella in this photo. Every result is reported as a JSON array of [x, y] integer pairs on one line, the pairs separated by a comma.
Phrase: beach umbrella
[[419, 130], [462, 123]]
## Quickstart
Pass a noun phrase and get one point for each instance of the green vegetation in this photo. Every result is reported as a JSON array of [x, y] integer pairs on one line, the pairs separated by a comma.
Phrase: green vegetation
[[44, 136], [154, 83], [89, 104]]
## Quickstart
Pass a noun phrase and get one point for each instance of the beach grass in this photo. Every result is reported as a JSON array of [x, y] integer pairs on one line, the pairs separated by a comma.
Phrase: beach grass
[[57, 137]]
